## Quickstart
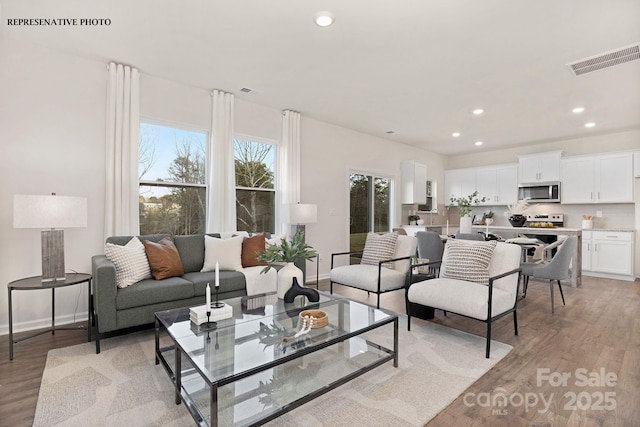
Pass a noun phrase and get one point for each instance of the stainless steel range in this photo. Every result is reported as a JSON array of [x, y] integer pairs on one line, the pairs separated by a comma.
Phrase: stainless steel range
[[557, 220]]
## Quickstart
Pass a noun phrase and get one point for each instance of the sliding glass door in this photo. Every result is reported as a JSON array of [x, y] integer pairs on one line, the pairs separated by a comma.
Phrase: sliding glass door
[[369, 207]]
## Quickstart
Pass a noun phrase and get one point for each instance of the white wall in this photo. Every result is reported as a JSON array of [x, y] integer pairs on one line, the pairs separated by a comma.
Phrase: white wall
[[328, 153], [52, 122]]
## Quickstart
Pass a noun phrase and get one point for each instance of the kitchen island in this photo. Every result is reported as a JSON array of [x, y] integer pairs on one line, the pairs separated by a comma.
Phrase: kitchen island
[[509, 231]]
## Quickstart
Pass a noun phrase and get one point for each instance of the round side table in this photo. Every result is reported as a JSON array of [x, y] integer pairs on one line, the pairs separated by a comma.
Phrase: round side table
[[36, 283]]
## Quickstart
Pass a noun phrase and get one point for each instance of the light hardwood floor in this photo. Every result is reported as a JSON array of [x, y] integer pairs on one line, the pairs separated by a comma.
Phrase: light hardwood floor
[[598, 331]]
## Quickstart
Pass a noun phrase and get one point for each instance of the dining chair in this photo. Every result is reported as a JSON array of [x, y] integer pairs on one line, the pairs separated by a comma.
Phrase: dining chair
[[556, 269]]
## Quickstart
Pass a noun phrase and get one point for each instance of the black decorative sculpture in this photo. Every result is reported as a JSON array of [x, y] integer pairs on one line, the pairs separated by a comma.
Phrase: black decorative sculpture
[[296, 290]]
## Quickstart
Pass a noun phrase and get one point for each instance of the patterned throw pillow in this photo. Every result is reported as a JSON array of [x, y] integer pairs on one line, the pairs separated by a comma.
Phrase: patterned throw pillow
[[378, 248], [130, 261], [468, 260]]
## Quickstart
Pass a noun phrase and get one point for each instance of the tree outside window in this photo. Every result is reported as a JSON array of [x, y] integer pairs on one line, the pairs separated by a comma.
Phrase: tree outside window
[[172, 180], [255, 185], [369, 207]]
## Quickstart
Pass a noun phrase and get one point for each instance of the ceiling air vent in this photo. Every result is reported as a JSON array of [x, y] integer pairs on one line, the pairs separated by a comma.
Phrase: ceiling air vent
[[605, 60]]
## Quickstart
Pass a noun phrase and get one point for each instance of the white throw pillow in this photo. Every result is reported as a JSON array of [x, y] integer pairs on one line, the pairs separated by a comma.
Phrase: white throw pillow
[[378, 248], [468, 260], [227, 252], [130, 261]]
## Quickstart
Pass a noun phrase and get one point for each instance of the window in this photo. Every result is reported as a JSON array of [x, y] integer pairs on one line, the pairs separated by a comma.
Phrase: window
[[369, 207], [172, 180], [255, 185]]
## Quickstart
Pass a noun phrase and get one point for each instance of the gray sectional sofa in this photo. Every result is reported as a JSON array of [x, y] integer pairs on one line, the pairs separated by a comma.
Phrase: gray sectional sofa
[[118, 308]]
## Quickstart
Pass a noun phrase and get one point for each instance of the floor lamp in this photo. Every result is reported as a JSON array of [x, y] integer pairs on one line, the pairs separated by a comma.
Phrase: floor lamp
[[52, 213], [301, 214]]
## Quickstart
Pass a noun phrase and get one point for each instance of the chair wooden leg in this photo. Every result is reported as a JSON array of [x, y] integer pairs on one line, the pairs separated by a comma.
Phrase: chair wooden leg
[[561, 294], [551, 290], [526, 285]]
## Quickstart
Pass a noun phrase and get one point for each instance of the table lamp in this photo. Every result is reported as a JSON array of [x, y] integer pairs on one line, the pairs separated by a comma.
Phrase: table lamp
[[52, 213], [301, 214]]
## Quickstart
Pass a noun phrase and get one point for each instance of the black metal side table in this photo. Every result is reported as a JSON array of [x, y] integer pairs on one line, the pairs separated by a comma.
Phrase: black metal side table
[[36, 283]]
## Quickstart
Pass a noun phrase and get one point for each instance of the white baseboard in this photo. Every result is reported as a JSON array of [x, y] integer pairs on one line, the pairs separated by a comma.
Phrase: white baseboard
[[43, 323]]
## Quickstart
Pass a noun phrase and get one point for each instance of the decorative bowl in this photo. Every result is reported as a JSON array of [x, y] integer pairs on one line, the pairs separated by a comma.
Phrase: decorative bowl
[[320, 318], [517, 220]]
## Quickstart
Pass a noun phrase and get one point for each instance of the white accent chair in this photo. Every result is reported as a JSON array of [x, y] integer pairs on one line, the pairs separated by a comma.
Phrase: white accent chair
[[486, 303], [377, 278]]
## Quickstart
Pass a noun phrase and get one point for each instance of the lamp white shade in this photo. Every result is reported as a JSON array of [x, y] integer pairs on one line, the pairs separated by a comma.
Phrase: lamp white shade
[[303, 213], [49, 211]]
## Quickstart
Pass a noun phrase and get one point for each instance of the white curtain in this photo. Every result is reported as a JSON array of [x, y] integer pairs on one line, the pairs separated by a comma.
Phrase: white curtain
[[123, 120], [221, 199], [289, 161]]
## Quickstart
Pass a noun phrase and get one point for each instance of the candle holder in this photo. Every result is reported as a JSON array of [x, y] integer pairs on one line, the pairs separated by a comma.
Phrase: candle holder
[[217, 303], [209, 324]]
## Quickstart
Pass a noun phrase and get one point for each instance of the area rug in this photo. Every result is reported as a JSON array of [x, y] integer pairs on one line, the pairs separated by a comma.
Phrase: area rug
[[123, 386]]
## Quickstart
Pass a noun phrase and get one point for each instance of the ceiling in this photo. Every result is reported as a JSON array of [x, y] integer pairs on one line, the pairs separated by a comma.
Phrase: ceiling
[[414, 67]]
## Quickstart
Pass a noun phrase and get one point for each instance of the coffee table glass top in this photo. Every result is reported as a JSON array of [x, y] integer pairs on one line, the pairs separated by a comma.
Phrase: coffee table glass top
[[253, 338]]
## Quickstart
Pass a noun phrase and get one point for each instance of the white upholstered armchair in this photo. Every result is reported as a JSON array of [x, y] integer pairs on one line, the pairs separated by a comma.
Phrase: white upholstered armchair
[[477, 280], [384, 266]]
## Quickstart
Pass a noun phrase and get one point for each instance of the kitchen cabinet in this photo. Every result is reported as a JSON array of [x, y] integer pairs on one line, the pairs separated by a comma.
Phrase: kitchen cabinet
[[414, 182], [541, 167], [459, 183], [499, 184], [608, 254], [605, 178]]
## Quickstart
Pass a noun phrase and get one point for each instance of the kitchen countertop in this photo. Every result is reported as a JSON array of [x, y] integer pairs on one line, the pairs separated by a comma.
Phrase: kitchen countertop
[[530, 230]]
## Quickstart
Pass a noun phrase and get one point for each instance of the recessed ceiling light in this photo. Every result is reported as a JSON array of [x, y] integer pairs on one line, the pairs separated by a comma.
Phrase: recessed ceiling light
[[455, 134], [478, 143], [323, 19], [577, 110], [589, 125], [478, 111]]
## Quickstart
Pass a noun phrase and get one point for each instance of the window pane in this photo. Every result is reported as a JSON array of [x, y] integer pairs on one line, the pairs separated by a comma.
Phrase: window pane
[[170, 154], [178, 211], [175, 156], [359, 212], [255, 165], [381, 205], [255, 211]]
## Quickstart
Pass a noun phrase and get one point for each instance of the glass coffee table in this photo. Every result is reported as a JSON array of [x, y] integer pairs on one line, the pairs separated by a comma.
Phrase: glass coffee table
[[242, 371]]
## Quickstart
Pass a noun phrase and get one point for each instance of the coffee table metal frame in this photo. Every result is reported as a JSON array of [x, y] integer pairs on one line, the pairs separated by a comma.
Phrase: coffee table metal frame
[[181, 394]]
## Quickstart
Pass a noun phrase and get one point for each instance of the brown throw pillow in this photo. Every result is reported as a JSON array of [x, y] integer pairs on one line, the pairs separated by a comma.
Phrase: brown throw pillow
[[164, 259], [251, 248]]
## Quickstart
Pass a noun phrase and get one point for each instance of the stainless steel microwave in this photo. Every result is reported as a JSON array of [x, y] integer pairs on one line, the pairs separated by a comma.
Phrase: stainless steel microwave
[[548, 192]]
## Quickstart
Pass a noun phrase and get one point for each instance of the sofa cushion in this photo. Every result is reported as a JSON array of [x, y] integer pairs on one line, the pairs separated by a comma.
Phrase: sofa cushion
[[251, 248], [468, 260], [378, 248], [230, 281], [129, 260], [122, 240], [151, 291], [226, 252], [191, 250], [164, 259]]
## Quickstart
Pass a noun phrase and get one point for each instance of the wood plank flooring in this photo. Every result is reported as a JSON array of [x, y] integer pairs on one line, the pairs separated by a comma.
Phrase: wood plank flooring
[[597, 331]]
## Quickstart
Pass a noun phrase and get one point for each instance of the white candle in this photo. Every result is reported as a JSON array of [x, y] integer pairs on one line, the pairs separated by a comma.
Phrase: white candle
[[217, 275], [208, 293], [447, 233]]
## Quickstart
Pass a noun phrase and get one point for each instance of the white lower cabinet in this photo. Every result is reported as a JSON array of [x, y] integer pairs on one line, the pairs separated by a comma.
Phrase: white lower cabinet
[[608, 254]]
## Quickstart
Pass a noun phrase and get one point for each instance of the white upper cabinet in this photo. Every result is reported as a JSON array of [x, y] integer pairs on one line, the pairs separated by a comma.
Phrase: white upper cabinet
[[498, 184], [414, 182], [542, 167], [459, 183], [603, 178]]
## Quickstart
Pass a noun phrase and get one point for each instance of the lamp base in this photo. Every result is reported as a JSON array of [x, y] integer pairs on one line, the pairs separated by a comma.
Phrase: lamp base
[[53, 255]]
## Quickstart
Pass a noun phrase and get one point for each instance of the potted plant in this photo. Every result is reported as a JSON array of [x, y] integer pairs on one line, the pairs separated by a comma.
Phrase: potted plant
[[465, 205], [287, 252], [517, 218]]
